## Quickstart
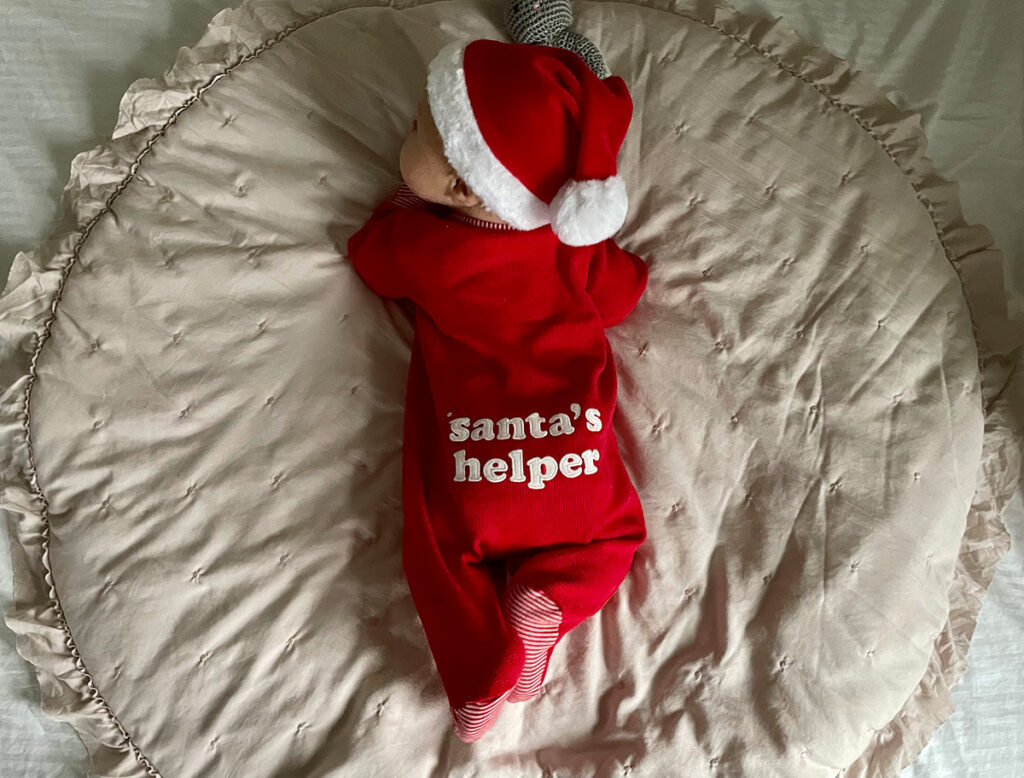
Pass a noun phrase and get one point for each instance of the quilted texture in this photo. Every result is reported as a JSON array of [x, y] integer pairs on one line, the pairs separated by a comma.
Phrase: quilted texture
[[820, 404]]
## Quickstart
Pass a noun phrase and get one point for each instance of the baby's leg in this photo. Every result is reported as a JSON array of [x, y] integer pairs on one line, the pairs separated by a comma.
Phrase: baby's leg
[[550, 591], [477, 654], [457, 595]]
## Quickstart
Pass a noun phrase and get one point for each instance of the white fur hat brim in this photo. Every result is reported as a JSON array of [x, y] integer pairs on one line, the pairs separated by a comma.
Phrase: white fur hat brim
[[464, 145]]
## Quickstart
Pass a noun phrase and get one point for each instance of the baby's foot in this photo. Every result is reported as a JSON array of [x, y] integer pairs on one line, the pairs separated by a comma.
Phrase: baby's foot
[[473, 719], [535, 617]]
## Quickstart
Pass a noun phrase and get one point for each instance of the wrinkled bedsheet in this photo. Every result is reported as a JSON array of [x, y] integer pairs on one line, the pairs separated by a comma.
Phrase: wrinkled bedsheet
[[203, 406]]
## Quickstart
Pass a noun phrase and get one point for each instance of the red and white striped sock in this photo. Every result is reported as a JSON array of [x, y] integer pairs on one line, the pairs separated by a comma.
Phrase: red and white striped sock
[[535, 617], [473, 719]]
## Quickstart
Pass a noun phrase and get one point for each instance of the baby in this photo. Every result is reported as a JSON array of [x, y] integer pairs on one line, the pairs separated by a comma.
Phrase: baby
[[520, 520]]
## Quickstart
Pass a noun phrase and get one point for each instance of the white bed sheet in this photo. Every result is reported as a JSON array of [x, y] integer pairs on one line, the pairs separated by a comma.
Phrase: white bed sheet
[[64, 66]]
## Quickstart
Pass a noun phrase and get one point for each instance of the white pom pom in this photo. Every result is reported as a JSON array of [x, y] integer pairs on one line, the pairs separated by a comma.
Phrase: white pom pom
[[587, 212]]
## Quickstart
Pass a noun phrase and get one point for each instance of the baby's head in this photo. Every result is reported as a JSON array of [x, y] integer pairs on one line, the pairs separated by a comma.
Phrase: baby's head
[[427, 171], [522, 134]]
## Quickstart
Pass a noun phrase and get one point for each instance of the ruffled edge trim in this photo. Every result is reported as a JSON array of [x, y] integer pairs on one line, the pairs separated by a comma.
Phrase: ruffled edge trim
[[978, 264], [36, 281], [28, 306]]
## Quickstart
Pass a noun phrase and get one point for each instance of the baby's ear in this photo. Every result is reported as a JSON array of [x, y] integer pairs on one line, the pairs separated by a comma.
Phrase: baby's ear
[[464, 196]]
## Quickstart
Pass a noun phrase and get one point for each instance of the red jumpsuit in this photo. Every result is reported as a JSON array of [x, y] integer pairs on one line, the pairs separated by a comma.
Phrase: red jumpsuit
[[520, 520]]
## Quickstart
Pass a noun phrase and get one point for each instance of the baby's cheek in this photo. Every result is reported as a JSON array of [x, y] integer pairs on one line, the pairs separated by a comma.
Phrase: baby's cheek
[[402, 160], [416, 171], [407, 165]]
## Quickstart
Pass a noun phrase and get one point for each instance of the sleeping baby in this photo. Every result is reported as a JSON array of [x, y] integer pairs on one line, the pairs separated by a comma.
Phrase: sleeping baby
[[519, 518]]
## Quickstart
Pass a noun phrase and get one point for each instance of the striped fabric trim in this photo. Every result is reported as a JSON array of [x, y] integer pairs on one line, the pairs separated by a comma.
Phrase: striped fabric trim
[[535, 617], [473, 719], [406, 198], [475, 222]]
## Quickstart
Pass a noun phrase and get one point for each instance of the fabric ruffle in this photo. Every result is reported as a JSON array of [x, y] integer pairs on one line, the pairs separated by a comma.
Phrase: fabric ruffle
[[37, 278]]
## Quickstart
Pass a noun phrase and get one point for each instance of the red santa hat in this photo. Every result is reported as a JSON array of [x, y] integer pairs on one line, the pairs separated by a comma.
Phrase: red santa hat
[[535, 134]]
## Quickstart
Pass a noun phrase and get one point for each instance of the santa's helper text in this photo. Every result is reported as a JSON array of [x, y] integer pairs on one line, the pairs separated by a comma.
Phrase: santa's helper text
[[539, 469]]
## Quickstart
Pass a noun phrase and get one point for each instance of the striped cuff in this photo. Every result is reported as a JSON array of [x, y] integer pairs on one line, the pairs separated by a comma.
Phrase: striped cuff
[[406, 198]]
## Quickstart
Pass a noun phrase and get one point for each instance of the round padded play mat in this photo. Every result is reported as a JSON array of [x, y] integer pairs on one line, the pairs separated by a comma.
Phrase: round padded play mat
[[819, 403]]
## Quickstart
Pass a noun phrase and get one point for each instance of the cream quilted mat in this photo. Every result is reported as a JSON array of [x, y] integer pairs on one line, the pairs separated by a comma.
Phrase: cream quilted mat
[[820, 402]]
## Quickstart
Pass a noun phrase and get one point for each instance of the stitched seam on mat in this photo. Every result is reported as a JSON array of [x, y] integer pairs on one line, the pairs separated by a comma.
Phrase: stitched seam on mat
[[929, 207], [44, 335]]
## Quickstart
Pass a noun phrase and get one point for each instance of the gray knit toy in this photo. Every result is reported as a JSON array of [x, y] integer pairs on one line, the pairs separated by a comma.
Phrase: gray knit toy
[[549, 23]]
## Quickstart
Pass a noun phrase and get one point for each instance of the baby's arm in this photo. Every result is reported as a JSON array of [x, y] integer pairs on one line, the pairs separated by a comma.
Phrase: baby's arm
[[374, 249], [616, 281]]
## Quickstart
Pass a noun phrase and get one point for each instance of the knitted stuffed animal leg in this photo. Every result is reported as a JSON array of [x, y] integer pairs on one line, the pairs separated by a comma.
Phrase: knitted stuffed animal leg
[[549, 23], [552, 590]]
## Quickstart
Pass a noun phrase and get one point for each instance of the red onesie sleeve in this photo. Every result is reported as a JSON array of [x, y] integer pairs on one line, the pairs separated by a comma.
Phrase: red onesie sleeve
[[376, 249], [616, 280]]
